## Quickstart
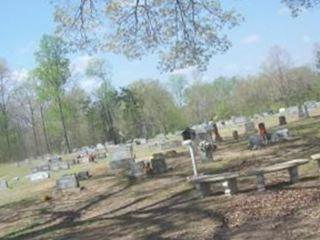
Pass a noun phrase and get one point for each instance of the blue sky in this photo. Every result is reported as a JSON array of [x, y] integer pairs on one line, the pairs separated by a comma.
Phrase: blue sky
[[22, 23]]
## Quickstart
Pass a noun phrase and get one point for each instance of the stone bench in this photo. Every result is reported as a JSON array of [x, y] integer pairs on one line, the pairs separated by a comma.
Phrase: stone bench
[[317, 158], [291, 166], [203, 183]]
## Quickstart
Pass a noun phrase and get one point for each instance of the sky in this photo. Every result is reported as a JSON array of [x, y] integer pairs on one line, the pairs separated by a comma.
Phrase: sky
[[267, 23]]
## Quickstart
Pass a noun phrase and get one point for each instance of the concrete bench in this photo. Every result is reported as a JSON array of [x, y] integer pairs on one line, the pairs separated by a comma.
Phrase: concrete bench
[[317, 158], [291, 166], [203, 183]]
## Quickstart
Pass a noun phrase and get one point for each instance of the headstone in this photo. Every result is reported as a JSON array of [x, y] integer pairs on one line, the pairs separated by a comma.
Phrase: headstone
[[54, 167], [281, 134], [254, 142], [100, 146], [55, 159], [206, 151], [158, 163], [44, 168], [67, 182], [249, 126], [38, 176], [83, 175], [16, 179], [35, 170], [137, 169], [3, 184], [235, 135], [282, 120], [64, 166], [217, 136], [121, 159]]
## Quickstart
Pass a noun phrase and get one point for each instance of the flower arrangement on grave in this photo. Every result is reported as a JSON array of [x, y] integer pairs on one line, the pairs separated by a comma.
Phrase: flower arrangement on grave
[[206, 146]]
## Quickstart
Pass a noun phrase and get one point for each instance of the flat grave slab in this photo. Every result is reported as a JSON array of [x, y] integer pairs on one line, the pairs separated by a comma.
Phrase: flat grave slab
[[38, 176]]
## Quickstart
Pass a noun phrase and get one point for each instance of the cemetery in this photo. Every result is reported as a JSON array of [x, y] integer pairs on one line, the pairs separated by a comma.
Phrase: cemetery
[[217, 175], [159, 120]]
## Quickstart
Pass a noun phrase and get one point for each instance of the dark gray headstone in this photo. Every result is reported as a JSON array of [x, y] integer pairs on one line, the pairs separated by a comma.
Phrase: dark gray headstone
[[158, 164], [67, 182], [83, 175], [3, 184], [254, 142]]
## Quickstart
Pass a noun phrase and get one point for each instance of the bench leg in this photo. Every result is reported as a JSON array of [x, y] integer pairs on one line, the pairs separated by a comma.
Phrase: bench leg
[[260, 182], [203, 188], [294, 175], [230, 186]]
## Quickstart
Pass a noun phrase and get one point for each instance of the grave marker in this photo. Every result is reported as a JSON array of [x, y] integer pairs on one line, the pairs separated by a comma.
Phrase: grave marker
[[83, 175], [158, 163], [38, 176], [3, 184], [67, 182]]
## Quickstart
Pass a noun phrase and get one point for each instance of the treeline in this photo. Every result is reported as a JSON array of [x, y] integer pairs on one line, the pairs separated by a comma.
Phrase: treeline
[[49, 112]]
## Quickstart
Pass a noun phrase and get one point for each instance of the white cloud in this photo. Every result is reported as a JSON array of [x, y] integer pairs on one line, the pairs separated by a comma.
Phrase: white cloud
[[184, 71], [251, 39], [20, 75], [79, 64], [78, 69]]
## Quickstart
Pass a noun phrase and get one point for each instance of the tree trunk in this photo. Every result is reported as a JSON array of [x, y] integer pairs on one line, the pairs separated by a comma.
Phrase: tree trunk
[[104, 125], [44, 128], [23, 149], [6, 130], [111, 127], [34, 131], [63, 124]]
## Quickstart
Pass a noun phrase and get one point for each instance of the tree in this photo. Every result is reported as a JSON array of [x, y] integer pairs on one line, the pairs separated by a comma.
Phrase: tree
[[178, 84], [182, 32], [53, 72], [297, 6], [26, 96], [132, 124], [106, 97], [160, 115], [276, 70], [5, 95]]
